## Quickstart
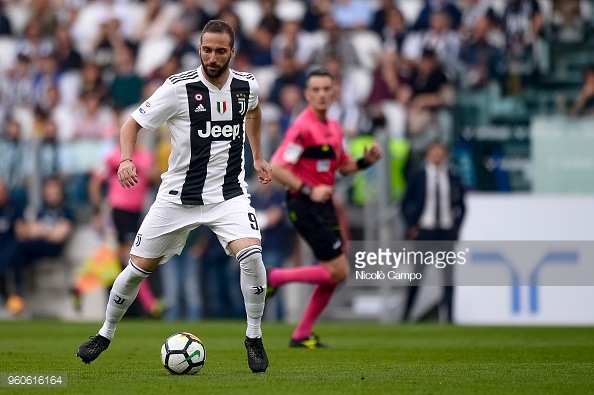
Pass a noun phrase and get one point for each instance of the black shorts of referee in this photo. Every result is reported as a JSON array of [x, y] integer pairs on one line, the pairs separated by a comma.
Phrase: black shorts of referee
[[127, 224], [317, 223]]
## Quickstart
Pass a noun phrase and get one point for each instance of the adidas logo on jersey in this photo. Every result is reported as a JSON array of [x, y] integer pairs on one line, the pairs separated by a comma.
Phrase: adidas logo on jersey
[[200, 108], [220, 129]]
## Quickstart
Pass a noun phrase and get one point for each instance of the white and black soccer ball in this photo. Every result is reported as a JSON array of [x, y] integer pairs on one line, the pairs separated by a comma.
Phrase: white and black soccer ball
[[183, 353]]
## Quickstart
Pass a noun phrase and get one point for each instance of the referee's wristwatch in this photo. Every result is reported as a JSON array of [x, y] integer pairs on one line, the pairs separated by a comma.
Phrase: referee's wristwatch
[[305, 190]]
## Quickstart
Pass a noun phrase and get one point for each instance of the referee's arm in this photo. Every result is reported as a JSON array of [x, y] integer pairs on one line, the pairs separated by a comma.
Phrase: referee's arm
[[286, 176], [370, 156], [319, 193]]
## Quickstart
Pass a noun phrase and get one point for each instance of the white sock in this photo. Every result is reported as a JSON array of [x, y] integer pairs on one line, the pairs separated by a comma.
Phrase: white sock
[[124, 291], [253, 287]]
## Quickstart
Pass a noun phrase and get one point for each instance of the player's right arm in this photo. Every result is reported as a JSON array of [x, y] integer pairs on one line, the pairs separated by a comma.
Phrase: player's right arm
[[160, 107], [127, 171]]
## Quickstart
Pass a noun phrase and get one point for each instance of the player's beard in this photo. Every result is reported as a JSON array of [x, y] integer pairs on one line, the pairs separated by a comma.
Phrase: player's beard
[[218, 73]]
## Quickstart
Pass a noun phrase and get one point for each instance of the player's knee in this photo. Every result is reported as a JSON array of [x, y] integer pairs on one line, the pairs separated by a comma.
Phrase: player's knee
[[250, 260], [340, 274], [144, 264], [339, 271]]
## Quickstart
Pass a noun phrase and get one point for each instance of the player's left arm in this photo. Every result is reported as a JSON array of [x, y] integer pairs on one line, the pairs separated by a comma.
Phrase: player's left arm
[[253, 119], [370, 156]]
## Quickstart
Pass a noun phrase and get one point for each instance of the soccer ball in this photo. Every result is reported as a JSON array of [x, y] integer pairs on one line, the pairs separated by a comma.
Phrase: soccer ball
[[183, 353]]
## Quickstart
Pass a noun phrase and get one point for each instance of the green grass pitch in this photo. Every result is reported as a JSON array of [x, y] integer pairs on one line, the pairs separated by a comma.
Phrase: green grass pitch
[[365, 358]]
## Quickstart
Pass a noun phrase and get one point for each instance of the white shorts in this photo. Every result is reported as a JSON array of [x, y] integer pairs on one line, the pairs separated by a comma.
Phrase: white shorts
[[165, 228]]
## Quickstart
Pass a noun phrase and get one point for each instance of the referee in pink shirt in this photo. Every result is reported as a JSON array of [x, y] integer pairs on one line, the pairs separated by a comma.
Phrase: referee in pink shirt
[[126, 209], [306, 162]]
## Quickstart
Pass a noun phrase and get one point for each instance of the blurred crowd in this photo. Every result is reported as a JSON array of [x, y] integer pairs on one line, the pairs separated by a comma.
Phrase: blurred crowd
[[72, 70]]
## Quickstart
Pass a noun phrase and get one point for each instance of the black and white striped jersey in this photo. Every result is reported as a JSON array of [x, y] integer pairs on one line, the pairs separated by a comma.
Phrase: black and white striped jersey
[[206, 164]]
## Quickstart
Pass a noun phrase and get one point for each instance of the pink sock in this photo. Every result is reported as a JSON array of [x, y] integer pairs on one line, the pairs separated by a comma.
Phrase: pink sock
[[308, 274], [146, 297], [319, 299]]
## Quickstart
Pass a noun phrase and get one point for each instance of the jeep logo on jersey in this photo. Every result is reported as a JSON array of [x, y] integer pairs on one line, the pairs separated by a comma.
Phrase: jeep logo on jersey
[[220, 130]]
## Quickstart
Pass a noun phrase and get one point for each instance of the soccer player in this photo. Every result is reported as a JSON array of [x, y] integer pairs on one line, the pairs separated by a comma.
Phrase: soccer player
[[306, 162], [207, 110]]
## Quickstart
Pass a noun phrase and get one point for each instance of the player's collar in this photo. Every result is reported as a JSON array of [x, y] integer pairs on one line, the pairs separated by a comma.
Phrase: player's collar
[[210, 85]]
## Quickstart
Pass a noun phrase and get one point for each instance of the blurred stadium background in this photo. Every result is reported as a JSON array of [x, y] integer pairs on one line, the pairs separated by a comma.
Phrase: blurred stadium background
[[507, 84]]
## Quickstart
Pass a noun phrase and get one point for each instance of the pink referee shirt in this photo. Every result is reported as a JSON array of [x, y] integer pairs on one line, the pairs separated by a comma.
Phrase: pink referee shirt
[[128, 199], [313, 149]]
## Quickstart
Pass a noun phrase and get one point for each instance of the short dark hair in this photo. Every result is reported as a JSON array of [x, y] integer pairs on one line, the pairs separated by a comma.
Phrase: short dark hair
[[219, 26], [436, 144], [318, 72], [53, 180]]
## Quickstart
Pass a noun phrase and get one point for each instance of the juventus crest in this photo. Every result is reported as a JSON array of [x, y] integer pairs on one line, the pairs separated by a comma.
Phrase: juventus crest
[[242, 106]]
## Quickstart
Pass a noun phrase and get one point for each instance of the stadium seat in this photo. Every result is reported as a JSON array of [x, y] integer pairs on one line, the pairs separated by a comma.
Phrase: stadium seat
[[411, 9], [499, 6], [137, 11], [578, 61], [250, 13], [86, 26], [318, 39], [48, 282], [473, 106], [363, 81], [153, 53], [47, 288], [368, 47], [195, 39], [69, 86], [270, 115], [395, 115], [290, 10], [18, 14], [508, 109], [265, 76], [7, 49], [89, 154], [24, 116], [83, 30], [546, 7]]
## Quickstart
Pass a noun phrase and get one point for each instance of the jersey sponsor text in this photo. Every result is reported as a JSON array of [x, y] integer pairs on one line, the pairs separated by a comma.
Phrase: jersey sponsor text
[[220, 130]]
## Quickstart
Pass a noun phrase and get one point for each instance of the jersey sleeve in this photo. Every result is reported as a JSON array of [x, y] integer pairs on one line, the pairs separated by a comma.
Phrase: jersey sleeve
[[254, 93], [344, 153], [342, 156], [290, 150], [158, 108]]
